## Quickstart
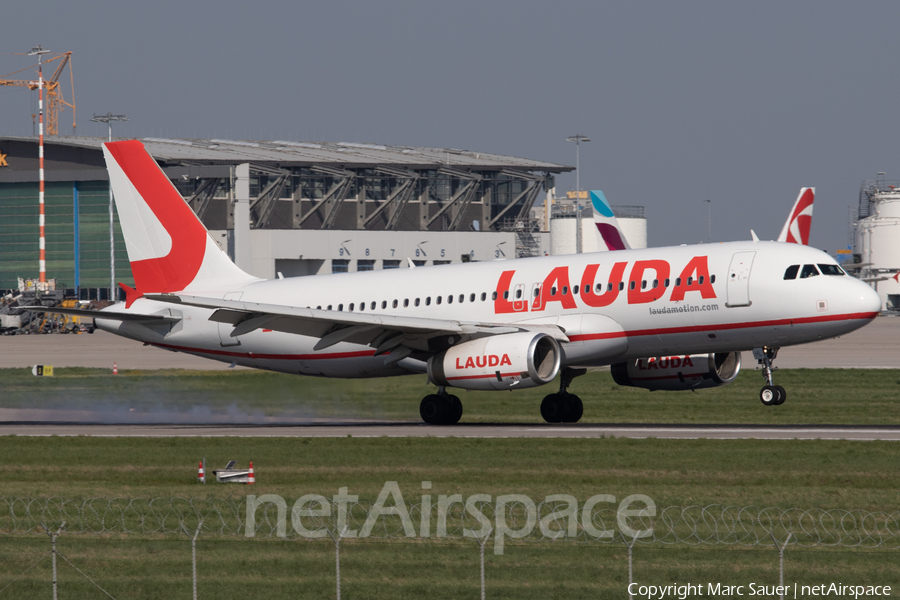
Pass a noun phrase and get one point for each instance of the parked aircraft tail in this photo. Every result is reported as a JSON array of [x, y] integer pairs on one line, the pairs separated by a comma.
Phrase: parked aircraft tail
[[607, 225], [168, 247], [796, 228]]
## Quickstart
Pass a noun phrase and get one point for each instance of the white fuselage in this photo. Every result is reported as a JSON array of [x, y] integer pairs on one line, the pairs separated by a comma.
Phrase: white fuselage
[[743, 302]]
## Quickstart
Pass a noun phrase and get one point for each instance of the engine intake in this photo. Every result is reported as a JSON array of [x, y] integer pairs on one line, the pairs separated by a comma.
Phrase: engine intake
[[501, 362], [685, 372]]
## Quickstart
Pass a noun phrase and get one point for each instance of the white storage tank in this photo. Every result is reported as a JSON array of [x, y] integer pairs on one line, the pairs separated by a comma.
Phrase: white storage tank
[[876, 243]]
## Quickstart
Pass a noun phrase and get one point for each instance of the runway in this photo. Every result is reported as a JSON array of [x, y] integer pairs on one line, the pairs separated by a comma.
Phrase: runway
[[483, 430]]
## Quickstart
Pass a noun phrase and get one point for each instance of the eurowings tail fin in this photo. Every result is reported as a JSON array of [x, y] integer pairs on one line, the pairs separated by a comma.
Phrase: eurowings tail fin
[[608, 230], [796, 228], [168, 247]]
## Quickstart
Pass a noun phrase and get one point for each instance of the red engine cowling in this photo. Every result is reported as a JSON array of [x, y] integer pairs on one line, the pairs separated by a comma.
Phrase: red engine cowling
[[501, 362], [692, 372]]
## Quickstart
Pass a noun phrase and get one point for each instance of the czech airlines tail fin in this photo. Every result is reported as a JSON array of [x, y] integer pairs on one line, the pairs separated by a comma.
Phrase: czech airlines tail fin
[[169, 248], [611, 236], [796, 228]]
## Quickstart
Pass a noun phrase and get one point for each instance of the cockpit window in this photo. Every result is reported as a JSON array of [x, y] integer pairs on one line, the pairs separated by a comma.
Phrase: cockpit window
[[831, 270], [808, 271], [791, 272]]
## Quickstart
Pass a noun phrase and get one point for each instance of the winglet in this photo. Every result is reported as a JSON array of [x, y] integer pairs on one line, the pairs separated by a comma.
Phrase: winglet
[[753, 236], [796, 228]]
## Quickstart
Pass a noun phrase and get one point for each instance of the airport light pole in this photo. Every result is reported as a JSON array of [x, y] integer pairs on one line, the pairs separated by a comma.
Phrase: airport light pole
[[108, 118], [42, 246], [578, 138]]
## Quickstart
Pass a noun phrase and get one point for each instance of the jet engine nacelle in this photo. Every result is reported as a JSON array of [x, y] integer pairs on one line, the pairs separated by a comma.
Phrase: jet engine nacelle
[[500, 362], [691, 372]]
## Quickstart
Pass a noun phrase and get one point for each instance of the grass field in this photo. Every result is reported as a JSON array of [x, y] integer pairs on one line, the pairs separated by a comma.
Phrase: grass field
[[814, 397], [787, 473]]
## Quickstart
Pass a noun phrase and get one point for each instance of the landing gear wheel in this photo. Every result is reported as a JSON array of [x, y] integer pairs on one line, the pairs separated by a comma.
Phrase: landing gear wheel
[[434, 409], [576, 409], [456, 411], [553, 408], [769, 395], [782, 395]]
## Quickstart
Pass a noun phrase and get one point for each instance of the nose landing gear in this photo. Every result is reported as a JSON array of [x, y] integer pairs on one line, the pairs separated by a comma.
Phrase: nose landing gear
[[441, 408], [563, 407], [769, 395]]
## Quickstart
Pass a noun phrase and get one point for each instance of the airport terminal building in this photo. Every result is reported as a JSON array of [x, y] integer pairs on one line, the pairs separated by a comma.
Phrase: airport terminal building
[[278, 207]]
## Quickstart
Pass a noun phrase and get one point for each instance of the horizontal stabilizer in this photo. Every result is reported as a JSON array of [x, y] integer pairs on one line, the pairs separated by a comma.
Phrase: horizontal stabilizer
[[103, 314]]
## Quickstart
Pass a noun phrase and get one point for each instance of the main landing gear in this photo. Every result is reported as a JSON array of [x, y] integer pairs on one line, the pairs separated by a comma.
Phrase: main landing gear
[[441, 408], [770, 395], [563, 407]]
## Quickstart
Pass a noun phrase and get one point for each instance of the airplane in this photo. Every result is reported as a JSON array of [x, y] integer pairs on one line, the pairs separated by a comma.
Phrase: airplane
[[674, 318]]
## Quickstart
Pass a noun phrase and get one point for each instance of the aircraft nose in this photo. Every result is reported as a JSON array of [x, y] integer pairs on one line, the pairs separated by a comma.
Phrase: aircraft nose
[[869, 300]]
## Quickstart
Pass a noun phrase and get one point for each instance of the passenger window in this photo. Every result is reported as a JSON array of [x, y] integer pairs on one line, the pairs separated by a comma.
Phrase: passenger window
[[340, 307], [319, 307], [587, 288], [712, 278], [439, 299], [808, 271], [416, 302], [655, 283], [791, 272], [462, 298], [394, 304], [383, 304], [518, 294], [537, 292], [553, 291], [373, 305], [351, 307], [575, 289], [831, 270], [644, 284], [493, 295], [450, 298], [700, 280], [483, 296], [631, 286], [428, 301], [690, 280], [329, 307], [667, 282], [405, 302], [565, 290], [609, 287], [678, 282], [621, 285], [506, 295], [471, 297]]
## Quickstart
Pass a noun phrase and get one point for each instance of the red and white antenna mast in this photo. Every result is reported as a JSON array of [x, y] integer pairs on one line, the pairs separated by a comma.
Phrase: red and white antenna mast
[[42, 262]]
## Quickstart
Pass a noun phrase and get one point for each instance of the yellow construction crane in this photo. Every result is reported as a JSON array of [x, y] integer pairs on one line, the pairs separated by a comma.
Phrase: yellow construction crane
[[56, 103]]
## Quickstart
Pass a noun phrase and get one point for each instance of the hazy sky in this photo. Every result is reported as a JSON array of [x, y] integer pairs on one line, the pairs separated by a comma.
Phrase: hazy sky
[[741, 103]]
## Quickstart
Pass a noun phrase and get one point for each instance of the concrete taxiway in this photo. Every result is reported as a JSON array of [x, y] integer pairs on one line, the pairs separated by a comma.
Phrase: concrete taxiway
[[875, 346]]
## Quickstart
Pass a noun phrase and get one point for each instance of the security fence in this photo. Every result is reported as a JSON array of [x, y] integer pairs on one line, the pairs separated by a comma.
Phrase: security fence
[[502, 547]]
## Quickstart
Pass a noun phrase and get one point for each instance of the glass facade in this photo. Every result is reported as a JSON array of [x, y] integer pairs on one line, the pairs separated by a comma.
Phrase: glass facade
[[19, 234]]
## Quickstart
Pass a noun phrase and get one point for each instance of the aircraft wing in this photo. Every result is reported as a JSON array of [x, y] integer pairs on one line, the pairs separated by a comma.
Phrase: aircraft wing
[[386, 333], [99, 314]]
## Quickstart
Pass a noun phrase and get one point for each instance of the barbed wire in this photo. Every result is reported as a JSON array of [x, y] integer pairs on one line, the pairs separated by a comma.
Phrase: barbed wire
[[713, 524]]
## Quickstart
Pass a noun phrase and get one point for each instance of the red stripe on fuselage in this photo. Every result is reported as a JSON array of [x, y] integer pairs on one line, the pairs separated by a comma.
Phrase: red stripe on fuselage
[[722, 326]]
